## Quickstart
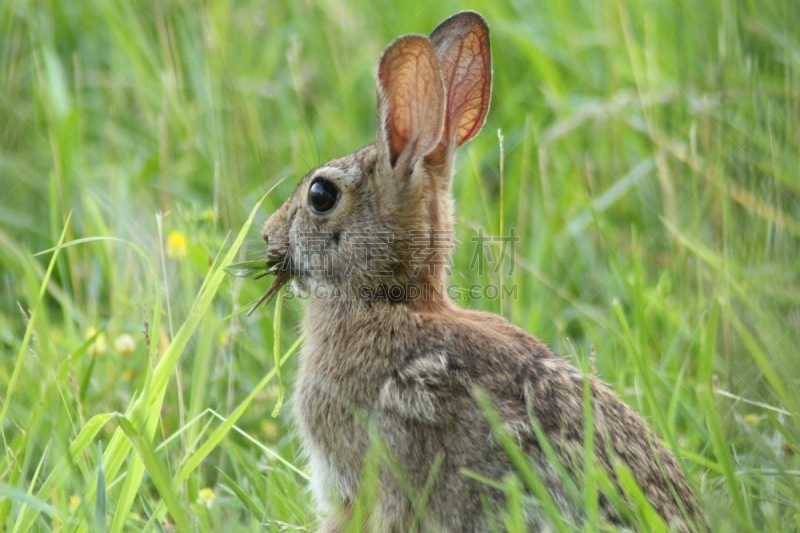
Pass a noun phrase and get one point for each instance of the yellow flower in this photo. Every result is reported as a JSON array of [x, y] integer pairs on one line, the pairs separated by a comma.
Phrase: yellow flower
[[269, 428], [751, 418], [74, 502], [125, 344], [163, 341], [99, 346], [206, 497], [176, 245]]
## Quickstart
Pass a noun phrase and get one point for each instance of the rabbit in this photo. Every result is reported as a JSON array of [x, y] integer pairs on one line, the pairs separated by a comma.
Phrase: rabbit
[[380, 364]]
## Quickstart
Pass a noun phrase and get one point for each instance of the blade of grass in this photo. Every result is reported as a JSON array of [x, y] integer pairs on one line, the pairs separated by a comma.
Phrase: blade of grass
[[157, 474], [706, 398], [13, 477], [216, 437], [10, 494], [522, 465], [100, 503], [648, 516], [34, 479], [590, 499], [246, 500], [276, 351]]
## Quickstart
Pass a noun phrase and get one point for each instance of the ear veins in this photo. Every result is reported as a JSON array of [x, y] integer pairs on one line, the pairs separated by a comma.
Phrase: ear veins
[[475, 84], [462, 47], [466, 82], [411, 83]]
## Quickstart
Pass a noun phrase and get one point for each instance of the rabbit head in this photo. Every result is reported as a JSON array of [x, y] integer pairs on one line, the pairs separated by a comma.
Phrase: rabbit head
[[382, 217]]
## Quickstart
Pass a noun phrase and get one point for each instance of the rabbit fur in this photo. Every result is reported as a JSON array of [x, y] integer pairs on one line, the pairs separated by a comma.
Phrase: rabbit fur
[[378, 365]]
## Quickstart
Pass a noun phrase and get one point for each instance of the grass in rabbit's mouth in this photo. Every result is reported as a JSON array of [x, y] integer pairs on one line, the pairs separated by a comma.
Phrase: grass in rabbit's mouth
[[260, 268], [255, 269]]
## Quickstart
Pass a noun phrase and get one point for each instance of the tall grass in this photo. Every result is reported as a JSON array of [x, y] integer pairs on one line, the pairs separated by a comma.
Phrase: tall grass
[[650, 155]]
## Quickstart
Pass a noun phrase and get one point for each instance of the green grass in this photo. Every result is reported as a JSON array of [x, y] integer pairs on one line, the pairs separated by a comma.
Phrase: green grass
[[650, 167]]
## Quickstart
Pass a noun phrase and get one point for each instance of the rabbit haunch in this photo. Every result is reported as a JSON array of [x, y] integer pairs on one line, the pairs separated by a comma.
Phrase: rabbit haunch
[[407, 373]]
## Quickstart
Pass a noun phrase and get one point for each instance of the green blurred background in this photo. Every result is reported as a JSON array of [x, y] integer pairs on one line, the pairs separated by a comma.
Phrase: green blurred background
[[649, 163]]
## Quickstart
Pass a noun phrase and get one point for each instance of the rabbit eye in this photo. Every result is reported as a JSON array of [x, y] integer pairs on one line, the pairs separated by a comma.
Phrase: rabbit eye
[[322, 195]]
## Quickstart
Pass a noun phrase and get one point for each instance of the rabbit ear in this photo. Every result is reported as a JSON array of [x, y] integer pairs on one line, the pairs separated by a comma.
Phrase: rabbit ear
[[462, 48], [411, 100]]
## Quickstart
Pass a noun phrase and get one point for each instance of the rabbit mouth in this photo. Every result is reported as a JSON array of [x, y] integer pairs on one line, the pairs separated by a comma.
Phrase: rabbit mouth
[[278, 264]]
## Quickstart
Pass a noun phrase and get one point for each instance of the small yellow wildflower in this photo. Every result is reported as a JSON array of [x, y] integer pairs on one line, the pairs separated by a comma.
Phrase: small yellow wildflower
[[176, 245], [74, 502], [751, 418], [99, 346], [125, 344], [269, 428], [206, 497], [163, 341]]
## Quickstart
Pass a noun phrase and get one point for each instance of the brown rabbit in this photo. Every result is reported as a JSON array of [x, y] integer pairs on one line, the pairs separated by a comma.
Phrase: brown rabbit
[[389, 355]]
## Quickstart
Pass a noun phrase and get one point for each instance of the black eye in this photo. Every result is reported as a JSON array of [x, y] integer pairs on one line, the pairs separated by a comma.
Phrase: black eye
[[322, 195]]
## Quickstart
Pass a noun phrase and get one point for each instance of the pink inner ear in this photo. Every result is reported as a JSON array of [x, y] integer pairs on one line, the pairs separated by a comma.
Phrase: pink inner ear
[[471, 92], [462, 46], [414, 97]]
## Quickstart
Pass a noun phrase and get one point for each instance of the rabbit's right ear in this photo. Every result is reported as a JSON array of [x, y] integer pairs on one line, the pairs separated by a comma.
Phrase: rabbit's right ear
[[411, 101]]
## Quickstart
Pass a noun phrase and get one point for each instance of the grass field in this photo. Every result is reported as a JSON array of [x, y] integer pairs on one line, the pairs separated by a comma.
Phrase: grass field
[[650, 165]]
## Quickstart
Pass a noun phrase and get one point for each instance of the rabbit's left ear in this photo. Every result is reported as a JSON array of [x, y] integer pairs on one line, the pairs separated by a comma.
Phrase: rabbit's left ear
[[462, 48], [411, 101]]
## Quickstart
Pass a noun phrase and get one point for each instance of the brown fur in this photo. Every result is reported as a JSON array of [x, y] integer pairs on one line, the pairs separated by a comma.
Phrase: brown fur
[[410, 368]]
